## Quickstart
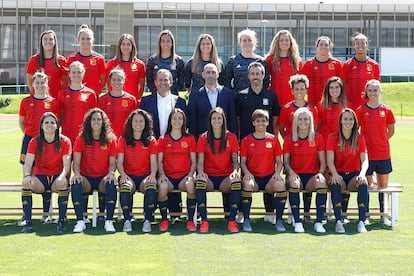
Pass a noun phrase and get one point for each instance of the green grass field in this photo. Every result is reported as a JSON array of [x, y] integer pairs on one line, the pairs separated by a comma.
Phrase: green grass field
[[381, 251]]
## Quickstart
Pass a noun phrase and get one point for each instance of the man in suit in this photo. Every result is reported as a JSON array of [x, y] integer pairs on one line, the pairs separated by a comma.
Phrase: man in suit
[[160, 105], [200, 103], [209, 96]]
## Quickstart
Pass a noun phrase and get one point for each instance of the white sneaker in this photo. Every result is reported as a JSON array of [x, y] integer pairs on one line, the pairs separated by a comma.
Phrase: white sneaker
[[146, 227], [367, 222], [361, 227], [86, 220], [46, 219], [79, 226], [127, 226], [270, 218], [339, 227], [299, 227], [386, 221], [240, 217], [318, 226], [109, 226]]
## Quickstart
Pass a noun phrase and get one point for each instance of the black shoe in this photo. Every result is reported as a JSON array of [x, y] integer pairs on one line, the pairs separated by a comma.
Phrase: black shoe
[[61, 227], [28, 228]]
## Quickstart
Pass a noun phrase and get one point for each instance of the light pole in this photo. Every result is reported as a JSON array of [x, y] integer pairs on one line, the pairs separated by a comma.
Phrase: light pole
[[264, 22]]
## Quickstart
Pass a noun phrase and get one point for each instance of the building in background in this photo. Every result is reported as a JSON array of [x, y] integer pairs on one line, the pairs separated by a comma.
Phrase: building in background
[[387, 23]]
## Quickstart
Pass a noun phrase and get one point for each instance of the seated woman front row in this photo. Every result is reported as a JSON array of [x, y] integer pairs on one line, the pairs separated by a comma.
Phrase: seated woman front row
[[156, 169]]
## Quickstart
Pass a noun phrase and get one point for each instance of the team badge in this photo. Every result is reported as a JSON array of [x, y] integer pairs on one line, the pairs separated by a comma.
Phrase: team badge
[[252, 144], [67, 96], [382, 113], [46, 105], [331, 66], [124, 103], [168, 145], [173, 67], [366, 114], [354, 67], [31, 104], [227, 144], [84, 97], [269, 145], [312, 143], [92, 62], [184, 144], [296, 145], [315, 68], [265, 101], [133, 67], [369, 67], [105, 147]]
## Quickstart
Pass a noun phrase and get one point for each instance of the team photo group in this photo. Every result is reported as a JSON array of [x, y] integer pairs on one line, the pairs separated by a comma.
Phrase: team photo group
[[277, 124]]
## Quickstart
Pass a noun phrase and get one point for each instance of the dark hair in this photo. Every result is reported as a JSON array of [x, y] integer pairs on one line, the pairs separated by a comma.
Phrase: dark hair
[[106, 134], [210, 134], [184, 131], [260, 113], [133, 55], [172, 52], [40, 139], [354, 132], [326, 100], [147, 134], [41, 60]]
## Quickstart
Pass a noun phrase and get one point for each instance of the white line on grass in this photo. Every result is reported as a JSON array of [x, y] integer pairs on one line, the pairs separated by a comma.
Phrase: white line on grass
[[10, 129]]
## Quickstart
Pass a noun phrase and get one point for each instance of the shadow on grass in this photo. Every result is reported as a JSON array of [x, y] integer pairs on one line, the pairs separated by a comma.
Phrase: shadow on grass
[[217, 226]]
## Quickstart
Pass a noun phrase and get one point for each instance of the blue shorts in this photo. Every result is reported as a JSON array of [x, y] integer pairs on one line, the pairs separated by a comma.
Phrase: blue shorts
[[138, 179], [175, 182], [347, 176], [262, 181], [94, 182], [379, 166], [25, 145], [304, 178], [217, 181], [47, 180]]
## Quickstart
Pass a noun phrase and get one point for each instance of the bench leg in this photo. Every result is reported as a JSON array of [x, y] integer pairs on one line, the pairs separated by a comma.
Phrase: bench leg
[[394, 209], [94, 207]]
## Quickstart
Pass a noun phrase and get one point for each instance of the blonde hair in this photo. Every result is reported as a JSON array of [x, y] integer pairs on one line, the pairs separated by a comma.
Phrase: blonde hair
[[293, 53], [249, 33], [372, 82], [311, 133], [297, 79], [85, 29]]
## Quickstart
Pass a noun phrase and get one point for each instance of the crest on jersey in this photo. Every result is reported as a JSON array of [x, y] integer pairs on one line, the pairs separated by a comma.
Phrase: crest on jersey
[[312, 143], [133, 66], [369, 67], [92, 62], [184, 144], [124, 103], [269, 145], [382, 113], [46, 105], [331, 66]]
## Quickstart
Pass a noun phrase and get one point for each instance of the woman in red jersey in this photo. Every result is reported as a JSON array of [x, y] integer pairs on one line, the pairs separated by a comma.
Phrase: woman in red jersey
[[283, 61], [117, 103], [94, 63], [357, 70], [31, 110], [305, 165], [176, 166], [347, 161], [94, 164], [137, 165], [134, 68], [320, 68], [48, 60], [261, 164], [377, 125], [46, 168], [75, 101], [217, 167]]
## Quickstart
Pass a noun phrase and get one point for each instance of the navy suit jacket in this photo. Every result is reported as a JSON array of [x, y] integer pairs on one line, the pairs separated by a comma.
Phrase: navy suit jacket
[[149, 104], [199, 107]]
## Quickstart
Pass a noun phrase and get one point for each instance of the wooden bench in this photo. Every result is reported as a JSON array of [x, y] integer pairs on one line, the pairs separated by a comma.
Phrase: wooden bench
[[391, 206]]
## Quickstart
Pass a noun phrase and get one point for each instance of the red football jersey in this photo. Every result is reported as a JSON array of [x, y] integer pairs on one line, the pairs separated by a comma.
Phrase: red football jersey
[[50, 161], [286, 115], [355, 75], [176, 154], [54, 73], [318, 73], [95, 157], [32, 110], [304, 154], [94, 66], [346, 160], [137, 159], [374, 124], [329, 119], [73, 105], [260, 154], [117, 109], [218, 164], [134, 70], [280, 79]]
